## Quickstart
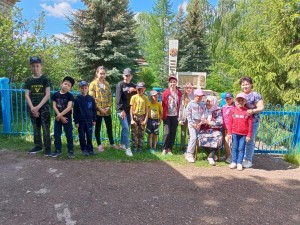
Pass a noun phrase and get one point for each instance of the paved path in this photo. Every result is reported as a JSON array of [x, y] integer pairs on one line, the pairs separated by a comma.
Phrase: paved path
[[37, 190]]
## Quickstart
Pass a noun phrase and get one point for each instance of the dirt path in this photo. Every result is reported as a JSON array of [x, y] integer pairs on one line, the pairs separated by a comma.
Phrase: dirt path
[[36, 190]]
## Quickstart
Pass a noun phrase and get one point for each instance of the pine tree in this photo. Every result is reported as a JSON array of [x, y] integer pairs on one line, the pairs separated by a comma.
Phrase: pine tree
[[103, 34]]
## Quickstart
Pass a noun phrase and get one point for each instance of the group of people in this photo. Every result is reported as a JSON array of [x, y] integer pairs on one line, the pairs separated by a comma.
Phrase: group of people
[[203, 123]]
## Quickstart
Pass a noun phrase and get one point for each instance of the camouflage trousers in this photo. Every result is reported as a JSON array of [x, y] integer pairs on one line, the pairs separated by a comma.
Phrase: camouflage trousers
[[43, 121], [138, 131]]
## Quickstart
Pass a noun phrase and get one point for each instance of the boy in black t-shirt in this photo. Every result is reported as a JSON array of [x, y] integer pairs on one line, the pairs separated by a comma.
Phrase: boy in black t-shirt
[[37, 93], [62, 106]]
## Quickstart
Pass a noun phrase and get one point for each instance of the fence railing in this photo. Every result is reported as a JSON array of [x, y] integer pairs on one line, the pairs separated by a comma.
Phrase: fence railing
[[278, 133]]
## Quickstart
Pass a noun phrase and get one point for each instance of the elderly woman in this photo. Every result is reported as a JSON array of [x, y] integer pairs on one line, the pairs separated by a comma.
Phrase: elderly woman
[[182, 118], [255, 105], [210, 136]]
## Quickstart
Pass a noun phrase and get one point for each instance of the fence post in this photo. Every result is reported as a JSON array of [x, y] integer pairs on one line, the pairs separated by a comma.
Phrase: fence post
[[6, 110], [296, 140]]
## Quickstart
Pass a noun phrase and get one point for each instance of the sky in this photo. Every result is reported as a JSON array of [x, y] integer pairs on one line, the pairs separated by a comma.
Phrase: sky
[[55, 22]]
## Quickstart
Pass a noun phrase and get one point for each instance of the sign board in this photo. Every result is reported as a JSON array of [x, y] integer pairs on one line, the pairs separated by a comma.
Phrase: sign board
[[198, 79], [173, 52]]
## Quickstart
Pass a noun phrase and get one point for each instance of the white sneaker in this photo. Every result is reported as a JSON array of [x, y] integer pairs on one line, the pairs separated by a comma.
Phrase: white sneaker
[[229, 159], [189, 157], [164, 152], [247, 164], [128, 152], [211, 161], [239, 167], [100, 148], [216, 157], [232, 165], [170, 153], [122, 147]]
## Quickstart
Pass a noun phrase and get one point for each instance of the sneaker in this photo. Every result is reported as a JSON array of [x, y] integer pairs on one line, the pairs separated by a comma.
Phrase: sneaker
[[223, 158], [211, 161], [71, 155], [122, 147], [115, 146], [232, 165], [128, 152], [92, 153], [56, 154], [229, 159], [85, 153], [100, 148], [190, 157], [247, 164], [239, 167], [35, 150], [216, 158], [170, 153], [48, 154], [164, 152]]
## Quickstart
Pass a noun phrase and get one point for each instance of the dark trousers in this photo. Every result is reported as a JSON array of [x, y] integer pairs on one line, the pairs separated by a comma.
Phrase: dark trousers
[[85, 130], [68, 128], [170, 128], [43, 121], [108, 124]]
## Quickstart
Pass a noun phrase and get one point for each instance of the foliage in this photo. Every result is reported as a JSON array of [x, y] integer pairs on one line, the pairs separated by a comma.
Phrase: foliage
[[293, 157], [145, 75], [103, 34]]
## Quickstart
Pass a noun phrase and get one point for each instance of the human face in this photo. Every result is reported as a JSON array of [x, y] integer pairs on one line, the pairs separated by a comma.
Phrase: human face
[[229, 101], [36, 69], [154, 98], [246, 87], [84, 90], [101, 74], [173, 83], [127, 78], [198, 98], [189, 90], [140, 91], [240, 102], [66, 86], [209, 103]]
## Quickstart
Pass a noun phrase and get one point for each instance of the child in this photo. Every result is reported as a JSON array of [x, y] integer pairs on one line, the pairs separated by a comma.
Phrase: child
[[194, 113], [186, 98], [240, 130], [100, 90], [225, 113], [37, 93], [155, 118], [62, 106], [85, 118], [139, 115]]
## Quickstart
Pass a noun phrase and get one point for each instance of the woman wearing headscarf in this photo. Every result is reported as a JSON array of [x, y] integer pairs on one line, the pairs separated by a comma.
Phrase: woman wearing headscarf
[[210, 136]]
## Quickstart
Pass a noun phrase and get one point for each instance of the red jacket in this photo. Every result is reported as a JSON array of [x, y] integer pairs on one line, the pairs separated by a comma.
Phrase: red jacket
[[165, 96], [240, 122]]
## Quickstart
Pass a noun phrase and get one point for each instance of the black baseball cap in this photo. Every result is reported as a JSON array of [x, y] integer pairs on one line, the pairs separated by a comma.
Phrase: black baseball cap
[[35, 59]]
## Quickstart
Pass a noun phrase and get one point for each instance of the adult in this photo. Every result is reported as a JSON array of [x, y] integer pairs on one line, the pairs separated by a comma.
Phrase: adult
[[254, 105], [210, 136], [125, 89], [170, 102], [100, 90], [188, 96]]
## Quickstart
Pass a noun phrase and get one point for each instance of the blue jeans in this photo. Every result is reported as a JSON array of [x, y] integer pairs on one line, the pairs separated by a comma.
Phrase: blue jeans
[[125, 129], [68, 128], [249, 151], [238, 148]]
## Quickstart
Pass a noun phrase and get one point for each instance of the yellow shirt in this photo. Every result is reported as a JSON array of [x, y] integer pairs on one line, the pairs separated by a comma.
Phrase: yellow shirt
[[155, 110], [139, 104]]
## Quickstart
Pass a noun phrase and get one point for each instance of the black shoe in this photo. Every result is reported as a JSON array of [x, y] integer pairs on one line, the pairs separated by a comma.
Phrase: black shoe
[[92, 153], [56, 154], [48, 154], [35, 150], [71, 155], [85, 153]]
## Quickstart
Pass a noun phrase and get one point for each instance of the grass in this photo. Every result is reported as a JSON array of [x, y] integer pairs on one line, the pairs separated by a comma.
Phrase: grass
[[293, 157], [23, 143]]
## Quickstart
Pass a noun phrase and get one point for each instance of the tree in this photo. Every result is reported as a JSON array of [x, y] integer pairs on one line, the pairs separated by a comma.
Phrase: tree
[[103, 34]]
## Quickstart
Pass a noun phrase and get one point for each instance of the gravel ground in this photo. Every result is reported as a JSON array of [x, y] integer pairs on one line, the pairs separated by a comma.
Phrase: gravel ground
[[38, 190]]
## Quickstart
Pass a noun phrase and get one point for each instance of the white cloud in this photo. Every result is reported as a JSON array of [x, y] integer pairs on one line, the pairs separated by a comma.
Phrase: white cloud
[[61, 37], [184, 6], [61, 9]]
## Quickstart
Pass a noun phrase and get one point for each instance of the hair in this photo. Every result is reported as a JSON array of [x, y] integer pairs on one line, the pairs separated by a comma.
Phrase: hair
[[247, 79], [70, 79], [99, 68]]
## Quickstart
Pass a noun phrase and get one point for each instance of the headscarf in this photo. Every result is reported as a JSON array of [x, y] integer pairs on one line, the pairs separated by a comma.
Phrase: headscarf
[[215, 106]]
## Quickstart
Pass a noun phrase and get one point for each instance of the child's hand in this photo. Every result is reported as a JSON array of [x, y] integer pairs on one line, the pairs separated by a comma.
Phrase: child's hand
[[229, 137], [34, 110], [144, 122], [77, 125], [132, 122], [64, 119], [248, 139], [58, 118], [36, 115], [181, 122], [94, 123]]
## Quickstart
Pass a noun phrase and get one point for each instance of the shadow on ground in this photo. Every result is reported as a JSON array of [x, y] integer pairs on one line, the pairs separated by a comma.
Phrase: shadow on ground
[[36, 190]]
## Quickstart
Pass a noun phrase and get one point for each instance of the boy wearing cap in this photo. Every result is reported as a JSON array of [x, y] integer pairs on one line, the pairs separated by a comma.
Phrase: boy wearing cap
[[139, 106], [194, 112], [154, 120], [37, 94], [125, 89], [85, 118], [62, 106], [239, 130], [226, 109]]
